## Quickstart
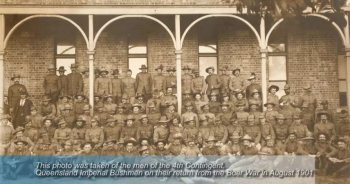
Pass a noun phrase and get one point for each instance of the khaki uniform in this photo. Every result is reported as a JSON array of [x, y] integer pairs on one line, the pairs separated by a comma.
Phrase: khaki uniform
[[300, 130], [191, 133], [159, 83], [161, 133], [214, 107], [116, 88], [129, 86], [198, 85], [79, 134], [173, 130], [220, 133], [190, 151], [75, 84], [144, 83], [170, 82], [225, 117], [144, 132], [204, 133], [254, 132], [252, 87], [235, 130], [112, 132], [211, 151], [186, 83], [271, 117], [281, 132], [214, 83], [190, 116], [128, 132], [51, 86], [103, 86], [236, 83], [63, 85], [325, 128], [249, 150], [94, 135], [62, 135], [225, 81], [48, 110]]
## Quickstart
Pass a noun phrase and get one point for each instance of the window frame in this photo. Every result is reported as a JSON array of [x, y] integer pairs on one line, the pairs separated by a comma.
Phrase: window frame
[[138, 55], [63, 56]]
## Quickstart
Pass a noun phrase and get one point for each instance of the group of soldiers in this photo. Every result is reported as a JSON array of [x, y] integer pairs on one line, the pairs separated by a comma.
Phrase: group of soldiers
[[223, 114]]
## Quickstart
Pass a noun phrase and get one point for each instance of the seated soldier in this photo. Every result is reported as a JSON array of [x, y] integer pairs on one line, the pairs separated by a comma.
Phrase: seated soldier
[[94, 134], [67, 149], [6, 132], [120, 115], [176, 145], [199, 102], [214, 104], [300, 130], [241, 114], [270, 113], [160, 149], [79, 130], [323, 148], [175, 128], [30, 131], [88, 149], [130, 148], [108, 148], [292, 145], [253, 130], [189, 114], [248, 147], [112, 131], [308, 145], [191, 149], [266, 130], [210, 147], [62, 133], [140, 101], [220, 131], [205, 131], [145, 129], [225, 114], [339, 160], [154, 114], [129, 130], [47, 108], [325, 126], [68, 115], [109, 106], [78, 105], [161, 131], [36, 118], [64, 100], [48, 130], [191, 132]]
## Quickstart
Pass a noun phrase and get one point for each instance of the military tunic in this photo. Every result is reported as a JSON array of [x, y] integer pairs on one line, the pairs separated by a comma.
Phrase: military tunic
[[112, 132], [144, 83], [62, 135], [103, 86], [300, 130], [211, 151], [51, 87], [214, 83], [198, 85], [170, 82], [204, 133], [159, 83], [128, 132], [236, 83], [75, 84], [78, 133], [144, 132], [129, 86], [116, 88], [94, 135], [220, 133], [63, 85], [186, 83], [161, 133], [254, 132], [225, 81]]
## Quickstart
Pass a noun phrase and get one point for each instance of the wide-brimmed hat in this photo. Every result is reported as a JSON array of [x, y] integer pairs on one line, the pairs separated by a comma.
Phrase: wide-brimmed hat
[[130, 117], [115, 72], [211, 138], [143, 116], [61, 122], [286, 86], [143, 67], [252, 76], [269, 103], [65, 96], [160, 141], [136, 105], [80, 119], [111, 119], [111, 140], [307, 87], [247, 137], [46, 98], [274, 86], [103, 70], [67, 107], [207, 69], [234, 70], [61, 69], [186, 67], [15, 76], [22, 141], [163, 119], [83, 96], [297, 116], [188, 104], [159, 67], [18, 129], [235, 135], [319, 114], [130, 140]]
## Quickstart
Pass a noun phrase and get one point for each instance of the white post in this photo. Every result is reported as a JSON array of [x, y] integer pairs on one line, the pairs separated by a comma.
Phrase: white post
[[2, 52], [347, 55], [91, 53], [263, 51], [178, 53]]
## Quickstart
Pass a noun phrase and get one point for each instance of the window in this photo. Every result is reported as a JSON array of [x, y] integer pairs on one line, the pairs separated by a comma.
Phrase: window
[[65, 56], [207, 52], [277, 61], [137, 53], [342, 80]]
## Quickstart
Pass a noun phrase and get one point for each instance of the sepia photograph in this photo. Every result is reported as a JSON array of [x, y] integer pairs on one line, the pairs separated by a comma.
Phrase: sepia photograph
[[175, 91]]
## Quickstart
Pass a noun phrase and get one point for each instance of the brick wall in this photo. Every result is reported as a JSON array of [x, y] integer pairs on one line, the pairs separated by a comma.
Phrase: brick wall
[[311, 48], [312, 58]]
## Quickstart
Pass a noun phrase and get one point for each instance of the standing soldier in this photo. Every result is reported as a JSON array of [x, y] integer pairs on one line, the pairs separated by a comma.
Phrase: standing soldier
[[51, 84], [170, 81], [21, 109], [198, 84], [103, 85], [62, 82], [286, 102], [75, 81], [14, 92], [169, 98], [272, 97], [116, 86], [144, 82], [225, 80], [129, 86], [159, 80], [213, 81], [236, 82], [325, 108], [252, 86], [308, 98], [86, 79], [186, 80]]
